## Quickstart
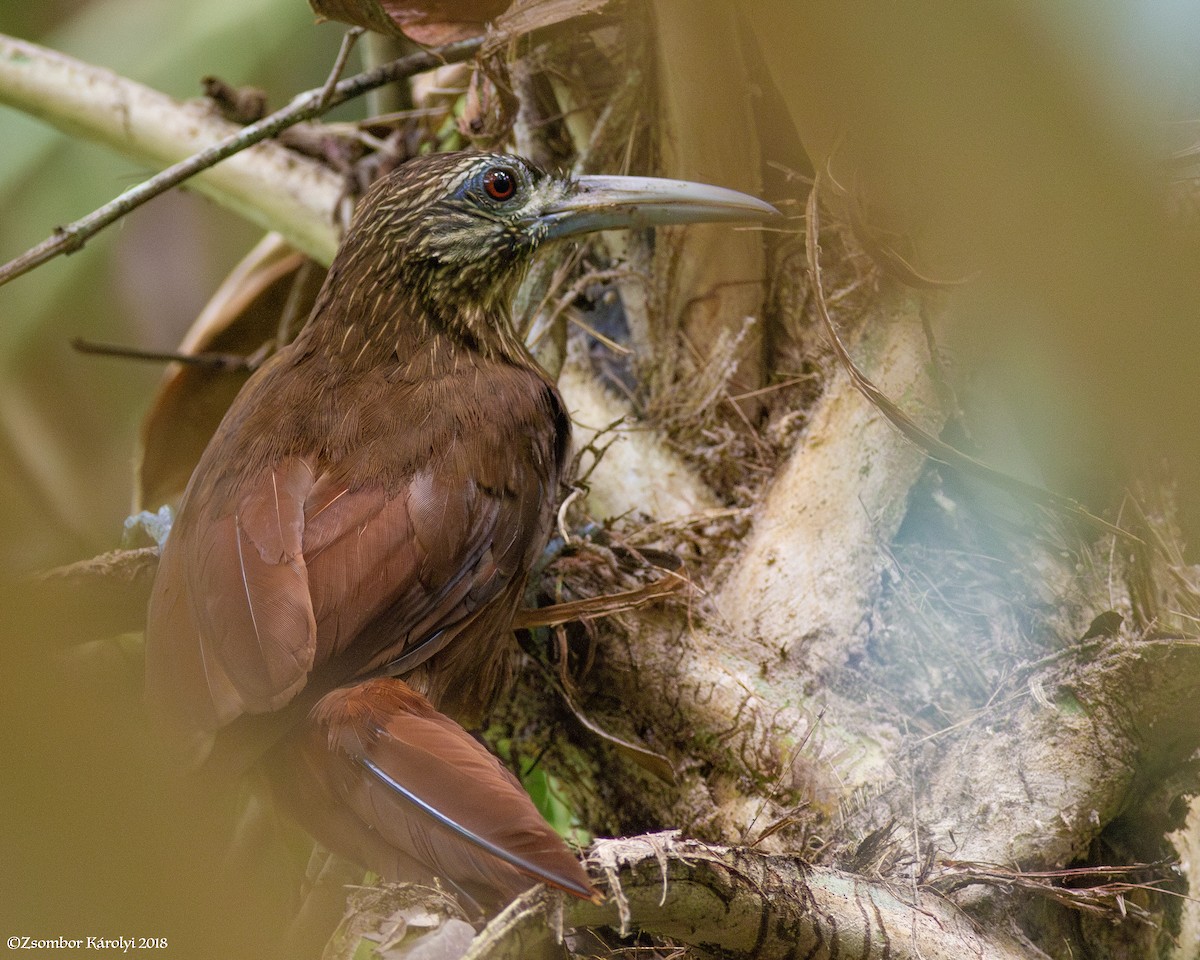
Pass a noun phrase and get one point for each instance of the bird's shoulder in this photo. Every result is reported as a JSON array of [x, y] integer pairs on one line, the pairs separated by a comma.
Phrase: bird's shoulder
[[489, 421]]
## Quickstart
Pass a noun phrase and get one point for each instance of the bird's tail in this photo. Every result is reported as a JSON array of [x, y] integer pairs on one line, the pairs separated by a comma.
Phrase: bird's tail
[[379, 776]]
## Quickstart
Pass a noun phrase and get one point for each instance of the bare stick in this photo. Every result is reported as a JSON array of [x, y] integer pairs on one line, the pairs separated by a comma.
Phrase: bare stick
[[339, 64], [303, 107], [213, 361]]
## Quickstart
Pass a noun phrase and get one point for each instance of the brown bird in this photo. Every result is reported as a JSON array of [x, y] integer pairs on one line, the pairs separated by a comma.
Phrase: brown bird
[[369, 509]]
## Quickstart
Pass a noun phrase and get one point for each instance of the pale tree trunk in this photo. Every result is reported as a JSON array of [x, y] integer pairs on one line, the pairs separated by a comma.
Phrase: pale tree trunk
[[886, 666]]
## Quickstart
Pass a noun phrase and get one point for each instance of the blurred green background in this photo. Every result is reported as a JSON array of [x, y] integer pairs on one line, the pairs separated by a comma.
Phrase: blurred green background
[[67, 421]]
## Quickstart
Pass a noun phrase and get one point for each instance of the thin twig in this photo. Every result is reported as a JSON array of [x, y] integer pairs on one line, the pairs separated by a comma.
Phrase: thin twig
[[213, 361], [592, 332], [932, 447], [794, 381], [575, 493], [305, 106], [397, 116], [339, 64]]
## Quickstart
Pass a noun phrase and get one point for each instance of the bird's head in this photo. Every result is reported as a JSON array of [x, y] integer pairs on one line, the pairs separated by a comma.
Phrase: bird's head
[[458, 229]]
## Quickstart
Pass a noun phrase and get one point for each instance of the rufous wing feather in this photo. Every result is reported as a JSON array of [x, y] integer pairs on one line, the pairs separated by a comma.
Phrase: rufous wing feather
[[230, 626], [370, 573], [305, 571], [388, 594]]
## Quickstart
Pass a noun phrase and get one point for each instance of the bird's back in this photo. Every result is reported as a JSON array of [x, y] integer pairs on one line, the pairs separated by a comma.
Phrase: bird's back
[[409, 526]]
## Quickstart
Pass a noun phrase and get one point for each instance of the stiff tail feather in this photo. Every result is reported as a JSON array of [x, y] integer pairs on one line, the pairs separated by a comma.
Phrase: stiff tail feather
[[380, 776]]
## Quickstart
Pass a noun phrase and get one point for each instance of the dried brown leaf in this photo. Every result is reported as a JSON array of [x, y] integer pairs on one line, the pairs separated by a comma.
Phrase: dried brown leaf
[[242, 315], [430, 22], [604, 606], [525, 16]]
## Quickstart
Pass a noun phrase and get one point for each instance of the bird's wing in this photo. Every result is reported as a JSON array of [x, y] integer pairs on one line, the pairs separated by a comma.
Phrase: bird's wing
[[385, 779], [309, 570], [230, 628], [392, 578]]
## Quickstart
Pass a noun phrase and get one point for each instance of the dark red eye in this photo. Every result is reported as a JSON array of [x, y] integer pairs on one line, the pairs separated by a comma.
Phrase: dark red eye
[[500, 183]]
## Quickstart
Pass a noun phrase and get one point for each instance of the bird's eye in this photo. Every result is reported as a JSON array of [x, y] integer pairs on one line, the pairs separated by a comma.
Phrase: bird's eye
[[500, 183]]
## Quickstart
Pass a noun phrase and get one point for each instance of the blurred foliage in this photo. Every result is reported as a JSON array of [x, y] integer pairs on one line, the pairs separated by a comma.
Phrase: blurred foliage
[[91, 841], [68, 422], [1021, 147]]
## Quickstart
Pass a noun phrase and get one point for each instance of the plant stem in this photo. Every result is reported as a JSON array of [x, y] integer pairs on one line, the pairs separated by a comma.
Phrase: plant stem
[[23, 56]]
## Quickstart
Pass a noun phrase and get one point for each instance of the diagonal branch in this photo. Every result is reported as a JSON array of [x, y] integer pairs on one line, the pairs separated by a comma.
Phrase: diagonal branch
[[45, 83]]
